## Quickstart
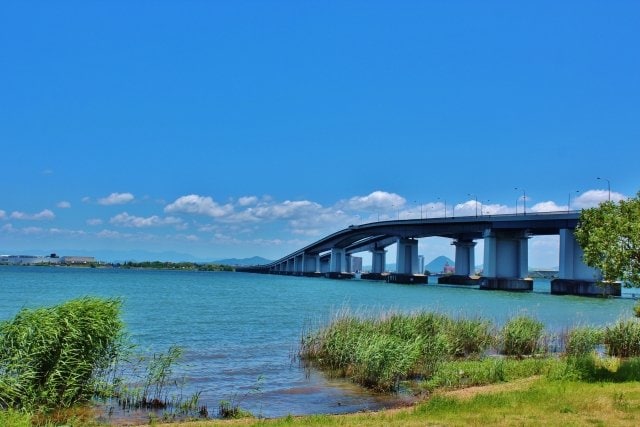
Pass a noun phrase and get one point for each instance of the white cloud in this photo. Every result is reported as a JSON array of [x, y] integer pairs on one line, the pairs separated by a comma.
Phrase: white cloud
[[94, 221], [110, 234], [64, 232], [200, 205], [284, 210], [468, 208], [376, 200], [3, 214], [126, 220], [45, 214], [8, 228], [549, 206], [64, 204], [116, 199], [593, 198], [32, 230], [248, 200]]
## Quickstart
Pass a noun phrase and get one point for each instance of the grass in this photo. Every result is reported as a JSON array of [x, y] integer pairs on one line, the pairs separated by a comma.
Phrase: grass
[[524, 403]]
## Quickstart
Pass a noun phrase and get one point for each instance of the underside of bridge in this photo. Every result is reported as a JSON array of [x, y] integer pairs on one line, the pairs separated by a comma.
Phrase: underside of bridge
[[505, 252]]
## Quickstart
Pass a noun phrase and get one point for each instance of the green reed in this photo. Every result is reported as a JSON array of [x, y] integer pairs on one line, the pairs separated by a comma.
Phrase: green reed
[[623, 338], [381, 353], [582, 341], [522, 336], [59, 356]]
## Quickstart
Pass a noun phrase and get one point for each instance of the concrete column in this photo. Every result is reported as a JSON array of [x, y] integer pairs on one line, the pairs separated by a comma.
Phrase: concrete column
[[490, 255], [505, 255], [465, 257], [524, 256], [297, 264], [347, 262], [407, 256], [338, 261], [310, 263], [378, 260], [571, 265], [325, 264]]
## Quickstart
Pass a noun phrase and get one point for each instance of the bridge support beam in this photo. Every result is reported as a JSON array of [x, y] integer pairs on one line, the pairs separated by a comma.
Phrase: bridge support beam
[[407, 264], [298, 264], [325, 264], [311, 265], [465, 264], [339, 265], [378, 260], [407, 257], [378, 265], [575, 277], [506, 261], [347, 263]]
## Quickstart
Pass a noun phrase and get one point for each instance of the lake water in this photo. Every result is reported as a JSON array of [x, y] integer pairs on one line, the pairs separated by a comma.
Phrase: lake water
[[239, 330]]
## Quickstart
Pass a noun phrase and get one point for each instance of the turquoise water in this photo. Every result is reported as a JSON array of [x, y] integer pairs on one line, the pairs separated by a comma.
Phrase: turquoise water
[[239, 330]]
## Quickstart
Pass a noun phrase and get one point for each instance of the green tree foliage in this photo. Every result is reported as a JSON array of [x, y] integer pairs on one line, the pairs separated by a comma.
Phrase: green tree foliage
[[610, 238]]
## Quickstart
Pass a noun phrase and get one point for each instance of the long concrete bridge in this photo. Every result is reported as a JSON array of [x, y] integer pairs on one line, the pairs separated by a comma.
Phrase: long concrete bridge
[[505, 252]]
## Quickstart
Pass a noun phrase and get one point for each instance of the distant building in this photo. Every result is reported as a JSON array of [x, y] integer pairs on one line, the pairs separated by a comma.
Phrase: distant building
[[74, 260], [356, 263], [449, 269], [421, 263]]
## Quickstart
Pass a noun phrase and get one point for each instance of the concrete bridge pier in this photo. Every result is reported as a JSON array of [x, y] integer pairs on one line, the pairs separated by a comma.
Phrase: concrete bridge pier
[[506, 261], [465, 264], [378, 263], [311, 265], [339, 265], [407, 263], [325, 264], [575, 277]]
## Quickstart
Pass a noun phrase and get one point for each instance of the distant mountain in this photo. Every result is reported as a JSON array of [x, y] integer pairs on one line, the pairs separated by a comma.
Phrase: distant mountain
[[256, 260], [437, 265]]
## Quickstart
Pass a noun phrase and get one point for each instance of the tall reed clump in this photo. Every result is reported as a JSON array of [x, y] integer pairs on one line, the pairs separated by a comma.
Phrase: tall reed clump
[[583, 341], [380, 353], [522, 336], [623, 338], [59, 356]]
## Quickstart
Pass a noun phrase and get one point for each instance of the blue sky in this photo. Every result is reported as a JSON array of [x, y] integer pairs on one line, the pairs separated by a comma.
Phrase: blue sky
[[237, 128]]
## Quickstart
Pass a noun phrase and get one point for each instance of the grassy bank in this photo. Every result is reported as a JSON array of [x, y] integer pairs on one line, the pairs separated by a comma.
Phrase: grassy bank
[[530, 402]]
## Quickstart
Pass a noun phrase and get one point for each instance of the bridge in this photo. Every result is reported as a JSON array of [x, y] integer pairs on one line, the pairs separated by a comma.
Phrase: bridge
[[505, 252]]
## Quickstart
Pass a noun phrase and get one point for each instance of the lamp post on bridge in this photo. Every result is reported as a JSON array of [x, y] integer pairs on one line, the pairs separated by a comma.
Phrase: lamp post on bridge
[[524, 201], [608, 186], [416, 202], [398, 210], [476, 198], [569, 201], [445, 207], [482, 211]]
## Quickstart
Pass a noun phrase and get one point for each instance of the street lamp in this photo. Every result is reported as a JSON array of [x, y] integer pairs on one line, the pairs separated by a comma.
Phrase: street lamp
[[416, 202], [482, 211], [569, 202], [608, 186], [445, 207], [475, 197], [524, 201], [393, 207]]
